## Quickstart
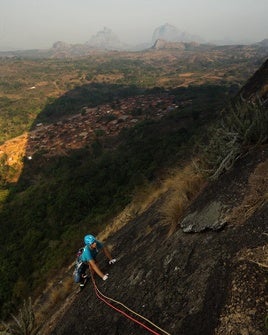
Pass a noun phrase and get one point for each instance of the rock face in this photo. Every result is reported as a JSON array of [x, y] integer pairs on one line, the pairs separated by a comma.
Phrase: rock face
[[210, 217], [60, 45], [105, 39], [172, 34], [211, 282], [257, 85]]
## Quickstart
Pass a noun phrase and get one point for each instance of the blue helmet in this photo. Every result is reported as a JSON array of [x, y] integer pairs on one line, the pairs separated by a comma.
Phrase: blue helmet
[[89, 239]]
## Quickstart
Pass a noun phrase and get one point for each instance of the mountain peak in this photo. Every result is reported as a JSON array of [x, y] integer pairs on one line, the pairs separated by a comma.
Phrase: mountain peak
[[60, 45], [171, 33], [105, 39]]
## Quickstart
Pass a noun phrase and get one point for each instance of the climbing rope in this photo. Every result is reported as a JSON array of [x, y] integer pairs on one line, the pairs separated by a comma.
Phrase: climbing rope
[[129, 309], [105, 299]]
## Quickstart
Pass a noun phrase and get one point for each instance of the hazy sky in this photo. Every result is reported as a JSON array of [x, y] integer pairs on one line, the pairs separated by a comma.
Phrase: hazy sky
[[28, 24]]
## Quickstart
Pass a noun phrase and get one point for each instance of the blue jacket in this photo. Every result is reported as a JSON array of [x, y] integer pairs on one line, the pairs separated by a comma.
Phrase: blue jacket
[[91, 254]]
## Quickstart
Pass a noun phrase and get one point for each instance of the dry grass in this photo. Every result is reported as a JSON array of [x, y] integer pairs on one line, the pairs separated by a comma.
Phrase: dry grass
[[53, 297], [258, 256], [15, 150], [61, 292], [142, 200], [180, 186], [255, 195]]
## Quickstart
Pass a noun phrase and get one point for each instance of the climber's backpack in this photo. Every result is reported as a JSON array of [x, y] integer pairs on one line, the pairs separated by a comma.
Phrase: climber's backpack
[[78, 268]]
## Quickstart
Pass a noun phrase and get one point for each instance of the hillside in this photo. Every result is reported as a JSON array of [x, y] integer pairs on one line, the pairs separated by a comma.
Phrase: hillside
[[213, 282], [103, 151], [207, 275]]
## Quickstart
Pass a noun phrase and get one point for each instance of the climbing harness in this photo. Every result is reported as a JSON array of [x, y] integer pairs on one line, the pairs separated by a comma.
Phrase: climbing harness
[[105, 299]]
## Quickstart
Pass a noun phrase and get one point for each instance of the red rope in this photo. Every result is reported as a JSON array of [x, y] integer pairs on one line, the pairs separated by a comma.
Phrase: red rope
[[120, 311]]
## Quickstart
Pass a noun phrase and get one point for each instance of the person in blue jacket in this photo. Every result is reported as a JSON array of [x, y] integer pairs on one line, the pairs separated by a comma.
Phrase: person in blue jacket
[[90, 252]]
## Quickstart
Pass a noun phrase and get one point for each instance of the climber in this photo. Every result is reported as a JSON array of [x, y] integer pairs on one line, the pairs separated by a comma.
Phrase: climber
[[91, 250]]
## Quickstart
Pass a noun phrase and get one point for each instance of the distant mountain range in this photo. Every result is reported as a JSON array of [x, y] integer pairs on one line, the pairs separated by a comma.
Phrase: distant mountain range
[[165, 36], [106, 39]]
